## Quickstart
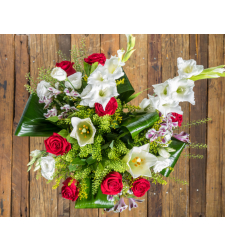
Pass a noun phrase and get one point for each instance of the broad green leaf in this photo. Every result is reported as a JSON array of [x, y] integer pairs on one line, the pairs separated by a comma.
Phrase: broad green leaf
[[111, 145], [73, 167], [90, 160], [87, 68], [78, 161], [53, 119], [71, 139], [125, 90], [63, 133], [32, 122], [93, 201], [93, 67], [178, 146], [140, 122]]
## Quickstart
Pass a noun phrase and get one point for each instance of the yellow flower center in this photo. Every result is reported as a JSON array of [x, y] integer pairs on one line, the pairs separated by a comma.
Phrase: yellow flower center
[[137, 161], [84, 131]]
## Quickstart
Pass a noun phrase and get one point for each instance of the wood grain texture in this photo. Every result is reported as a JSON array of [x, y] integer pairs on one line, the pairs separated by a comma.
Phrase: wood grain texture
[[137, 72], [6, 120], [215, 131], [93, 46], [179, 194], [43, 200], [110, 43], [21, 150], [198, 52], [222, 122], [154, 77], [64, 44], [168, 71]]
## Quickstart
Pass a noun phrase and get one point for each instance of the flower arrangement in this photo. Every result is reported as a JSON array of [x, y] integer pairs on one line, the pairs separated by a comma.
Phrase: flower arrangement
[[100, 146]]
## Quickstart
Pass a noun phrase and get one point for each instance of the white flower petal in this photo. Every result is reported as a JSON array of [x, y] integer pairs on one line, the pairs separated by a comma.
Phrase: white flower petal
[[59, 74], [188, 68], [47, 167]]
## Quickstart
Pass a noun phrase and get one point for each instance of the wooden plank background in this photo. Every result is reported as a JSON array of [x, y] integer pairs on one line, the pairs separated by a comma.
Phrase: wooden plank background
[[154, 61]]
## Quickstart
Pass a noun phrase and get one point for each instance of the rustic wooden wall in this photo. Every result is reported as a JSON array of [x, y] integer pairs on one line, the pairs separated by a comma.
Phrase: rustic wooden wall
[[153, 62]]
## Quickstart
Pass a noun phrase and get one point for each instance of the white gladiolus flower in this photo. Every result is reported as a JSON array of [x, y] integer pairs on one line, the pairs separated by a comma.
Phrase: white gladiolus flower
[[140, 160], [163, 153], [113, 68], [147, 105], [42, 90], [188, 68], [182, 90], [59, 74], [35, 153], [57, 85], [120, 54], [162, 90], [83, 130], [47, 167], [75, 79], [170, 107], [99, 77], [98, 94], [161, 164]]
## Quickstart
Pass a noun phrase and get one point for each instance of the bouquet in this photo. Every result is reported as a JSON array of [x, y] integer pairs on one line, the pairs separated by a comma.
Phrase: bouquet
[[103, 148]]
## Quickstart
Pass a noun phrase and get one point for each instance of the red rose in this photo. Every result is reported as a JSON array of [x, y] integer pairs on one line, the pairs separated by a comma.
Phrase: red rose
[[70, 192], [112, 183], [57, 145], [140, 187], [178, 118], [110, 108], [96, 57], [67, 66]]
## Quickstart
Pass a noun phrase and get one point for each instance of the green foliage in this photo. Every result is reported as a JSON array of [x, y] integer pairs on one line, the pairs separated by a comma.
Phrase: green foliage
[[194, 123], [193, 156], [78, 53], [62, 56], [198, 146], [157, 178], [31, 87], [103, 123], [183, 182]]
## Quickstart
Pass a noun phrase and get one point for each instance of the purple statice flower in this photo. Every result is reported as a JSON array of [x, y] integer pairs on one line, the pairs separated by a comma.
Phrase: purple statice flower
[[110, 197], [47, 102], [133, 204], [183, 137], [119, 207], [51, 112], [54, 91]]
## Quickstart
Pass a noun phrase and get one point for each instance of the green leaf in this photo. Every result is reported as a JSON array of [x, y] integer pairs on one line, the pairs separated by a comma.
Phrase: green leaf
[[90, 160], [134, 96], [93, 67], [178, 146], [71, 139], [78, 161], [111, 145], [53, 119], [87, 68], [125, 90], [63, 133], [93, 201], [140, 122], [73, 167], [32, 122]]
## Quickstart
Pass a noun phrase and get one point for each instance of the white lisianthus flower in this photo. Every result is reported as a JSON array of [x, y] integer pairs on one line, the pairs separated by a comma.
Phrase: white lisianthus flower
[[47, 167], [113, 68], [100, 77], [35, 153], [182, 90], [163, 152], [188, 68], [147, 105], [42, 90], [140, 160], [83, 130], [98, 94], [75, 79], [161, 164], [59, 74]]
